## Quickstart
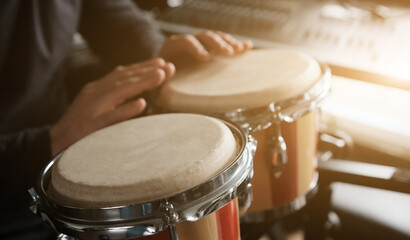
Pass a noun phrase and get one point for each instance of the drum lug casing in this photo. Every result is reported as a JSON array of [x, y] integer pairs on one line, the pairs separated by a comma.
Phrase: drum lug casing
[[277, 155]]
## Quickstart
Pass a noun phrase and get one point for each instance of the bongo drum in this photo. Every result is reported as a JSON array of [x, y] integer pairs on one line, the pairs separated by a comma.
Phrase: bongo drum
[[167, 176], [273, 93]]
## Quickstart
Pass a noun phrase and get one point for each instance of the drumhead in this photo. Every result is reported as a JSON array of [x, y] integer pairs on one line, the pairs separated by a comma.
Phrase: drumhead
[[253, 79], [141, 160]]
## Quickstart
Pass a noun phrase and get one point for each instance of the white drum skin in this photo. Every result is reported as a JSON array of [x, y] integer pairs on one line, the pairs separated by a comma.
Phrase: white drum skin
[[253, 79], [142, 159]]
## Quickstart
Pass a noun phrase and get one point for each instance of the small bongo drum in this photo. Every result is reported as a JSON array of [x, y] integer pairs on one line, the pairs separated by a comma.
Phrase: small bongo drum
[[273, 93], [167, 176]]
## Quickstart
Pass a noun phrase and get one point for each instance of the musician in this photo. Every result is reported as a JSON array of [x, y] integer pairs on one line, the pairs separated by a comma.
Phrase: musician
[[37, 121]]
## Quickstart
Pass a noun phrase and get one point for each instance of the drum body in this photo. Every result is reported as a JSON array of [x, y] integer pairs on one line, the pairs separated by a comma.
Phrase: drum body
[[289, 187], [208, 210], [284, 124], [222, 225]]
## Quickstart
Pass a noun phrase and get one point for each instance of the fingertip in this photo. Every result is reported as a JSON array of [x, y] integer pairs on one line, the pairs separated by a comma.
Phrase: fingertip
[[200, 51], [239, 47], [140, 103], [159, 61], [160, 75], [170, 69], [135, 108], [248, 44], [119, 68], [193, 46]]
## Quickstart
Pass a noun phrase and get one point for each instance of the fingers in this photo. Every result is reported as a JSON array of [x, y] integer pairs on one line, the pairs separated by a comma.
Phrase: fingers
[[207, 43], [132, 72], [125, 72], [215, 44], [248, 44], [104, 102], [130, 87], [180, 49], [169, 69], [238, 46], [156, 62], [191, 45], [220, 43], [121, 113], [108, 101], [234, 43]]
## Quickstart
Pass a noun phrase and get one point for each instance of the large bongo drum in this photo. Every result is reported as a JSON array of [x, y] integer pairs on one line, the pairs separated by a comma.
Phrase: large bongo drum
[[276, 95], [168, 176]]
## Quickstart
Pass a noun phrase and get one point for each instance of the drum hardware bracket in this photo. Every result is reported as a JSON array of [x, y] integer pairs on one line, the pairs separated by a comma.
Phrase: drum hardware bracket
[[35, 200], [253, 144], [62, 236], [170, 216], [336, 144], [245, 200], [35, 205], [173, 232]]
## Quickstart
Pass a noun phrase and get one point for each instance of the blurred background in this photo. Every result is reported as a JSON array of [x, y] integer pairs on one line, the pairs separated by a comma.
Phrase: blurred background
[[364, 146]]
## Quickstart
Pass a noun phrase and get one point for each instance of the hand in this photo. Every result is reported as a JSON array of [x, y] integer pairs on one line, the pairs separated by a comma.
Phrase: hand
[[108, 100], [180, 49]]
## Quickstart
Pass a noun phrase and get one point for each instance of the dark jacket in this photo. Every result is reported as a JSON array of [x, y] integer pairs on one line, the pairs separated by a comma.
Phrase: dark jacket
[[35, 38]]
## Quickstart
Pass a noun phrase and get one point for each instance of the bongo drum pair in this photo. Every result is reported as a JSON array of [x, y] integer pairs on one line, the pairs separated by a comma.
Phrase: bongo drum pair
[[275, 94], [188, 176], [168, 176]]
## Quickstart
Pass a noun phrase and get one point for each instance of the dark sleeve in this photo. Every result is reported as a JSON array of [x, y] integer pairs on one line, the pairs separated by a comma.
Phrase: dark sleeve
[[23, 155], [119, 32]]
